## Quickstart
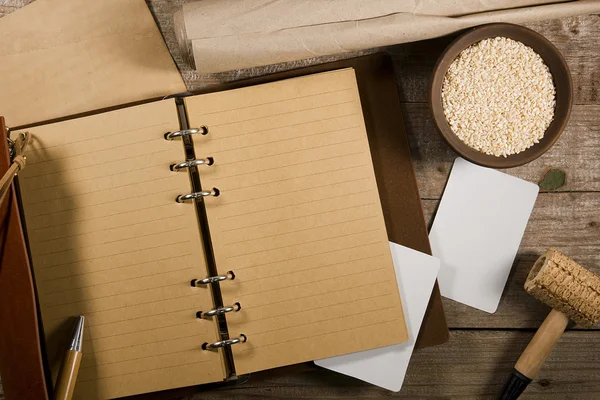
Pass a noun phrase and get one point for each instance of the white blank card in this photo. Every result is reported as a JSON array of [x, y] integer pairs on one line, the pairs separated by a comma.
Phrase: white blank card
[[386, 367], [477, 231]]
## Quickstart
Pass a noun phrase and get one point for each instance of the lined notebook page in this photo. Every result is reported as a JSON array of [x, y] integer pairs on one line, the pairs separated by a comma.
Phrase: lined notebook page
[[298, 220], [108, 241]]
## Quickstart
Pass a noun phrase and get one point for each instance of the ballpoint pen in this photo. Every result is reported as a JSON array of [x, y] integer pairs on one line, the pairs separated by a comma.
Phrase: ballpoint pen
[[67, 376]]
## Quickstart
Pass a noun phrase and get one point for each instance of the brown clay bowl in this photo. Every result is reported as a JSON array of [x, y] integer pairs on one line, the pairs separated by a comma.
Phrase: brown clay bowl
[[562, 82]]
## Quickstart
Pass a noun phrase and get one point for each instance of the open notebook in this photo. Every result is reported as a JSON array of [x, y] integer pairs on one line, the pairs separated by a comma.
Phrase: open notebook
[[286, 225]]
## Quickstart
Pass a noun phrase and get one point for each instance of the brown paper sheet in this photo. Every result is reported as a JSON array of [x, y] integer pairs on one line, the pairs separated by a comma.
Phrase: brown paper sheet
[[63, 57], [222, 35], [108, 241], [392, 163], [298, 220]]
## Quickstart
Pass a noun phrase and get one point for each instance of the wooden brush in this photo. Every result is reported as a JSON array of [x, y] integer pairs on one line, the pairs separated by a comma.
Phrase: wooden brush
[[573, 293]]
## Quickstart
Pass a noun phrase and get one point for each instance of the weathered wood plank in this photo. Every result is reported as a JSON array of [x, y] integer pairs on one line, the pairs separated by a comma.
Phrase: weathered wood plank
[[472, 365], [575, 37], [576, 152], [567, 221]]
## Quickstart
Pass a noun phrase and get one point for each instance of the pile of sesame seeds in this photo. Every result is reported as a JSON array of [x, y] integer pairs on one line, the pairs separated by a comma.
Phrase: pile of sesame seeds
[[498, 97]]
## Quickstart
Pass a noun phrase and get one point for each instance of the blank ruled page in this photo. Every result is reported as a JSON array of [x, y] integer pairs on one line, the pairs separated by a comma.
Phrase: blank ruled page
[[298, 220], [108, 241]]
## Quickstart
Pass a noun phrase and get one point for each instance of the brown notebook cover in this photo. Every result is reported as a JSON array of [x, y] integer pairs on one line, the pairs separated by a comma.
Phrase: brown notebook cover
[[21, 364], [20, 354]]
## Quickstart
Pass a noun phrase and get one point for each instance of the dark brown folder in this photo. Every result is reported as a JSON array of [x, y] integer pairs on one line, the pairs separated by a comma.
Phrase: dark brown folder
[[21, 363]]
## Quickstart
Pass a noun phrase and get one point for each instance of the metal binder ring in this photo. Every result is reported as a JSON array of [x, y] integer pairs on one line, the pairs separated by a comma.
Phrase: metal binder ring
[[197, 195], [192, 163], [211, 346], [212, 279], [219, 311], [186, 132]]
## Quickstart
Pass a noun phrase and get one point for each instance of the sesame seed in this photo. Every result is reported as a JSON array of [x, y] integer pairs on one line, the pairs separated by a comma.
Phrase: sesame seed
[[498, 97]]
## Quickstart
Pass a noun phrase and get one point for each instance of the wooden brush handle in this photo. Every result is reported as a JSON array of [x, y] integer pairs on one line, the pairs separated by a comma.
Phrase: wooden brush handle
[[542, 344]]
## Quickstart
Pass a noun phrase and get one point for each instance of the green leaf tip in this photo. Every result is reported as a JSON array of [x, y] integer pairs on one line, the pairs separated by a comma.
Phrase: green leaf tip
[[554, 179]]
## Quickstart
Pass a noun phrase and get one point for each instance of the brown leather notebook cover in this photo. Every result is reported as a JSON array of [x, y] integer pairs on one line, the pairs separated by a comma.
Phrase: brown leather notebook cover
[[392, 162], [21, 363]]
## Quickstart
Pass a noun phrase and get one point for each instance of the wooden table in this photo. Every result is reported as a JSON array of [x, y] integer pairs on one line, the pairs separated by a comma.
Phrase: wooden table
[[483, 347]]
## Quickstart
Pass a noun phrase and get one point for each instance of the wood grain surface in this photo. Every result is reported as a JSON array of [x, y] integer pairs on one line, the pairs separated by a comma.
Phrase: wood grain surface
[[483, 347]]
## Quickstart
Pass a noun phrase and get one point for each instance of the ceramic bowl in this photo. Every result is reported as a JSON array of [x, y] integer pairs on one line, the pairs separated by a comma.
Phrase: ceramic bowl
[[562, 82]]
